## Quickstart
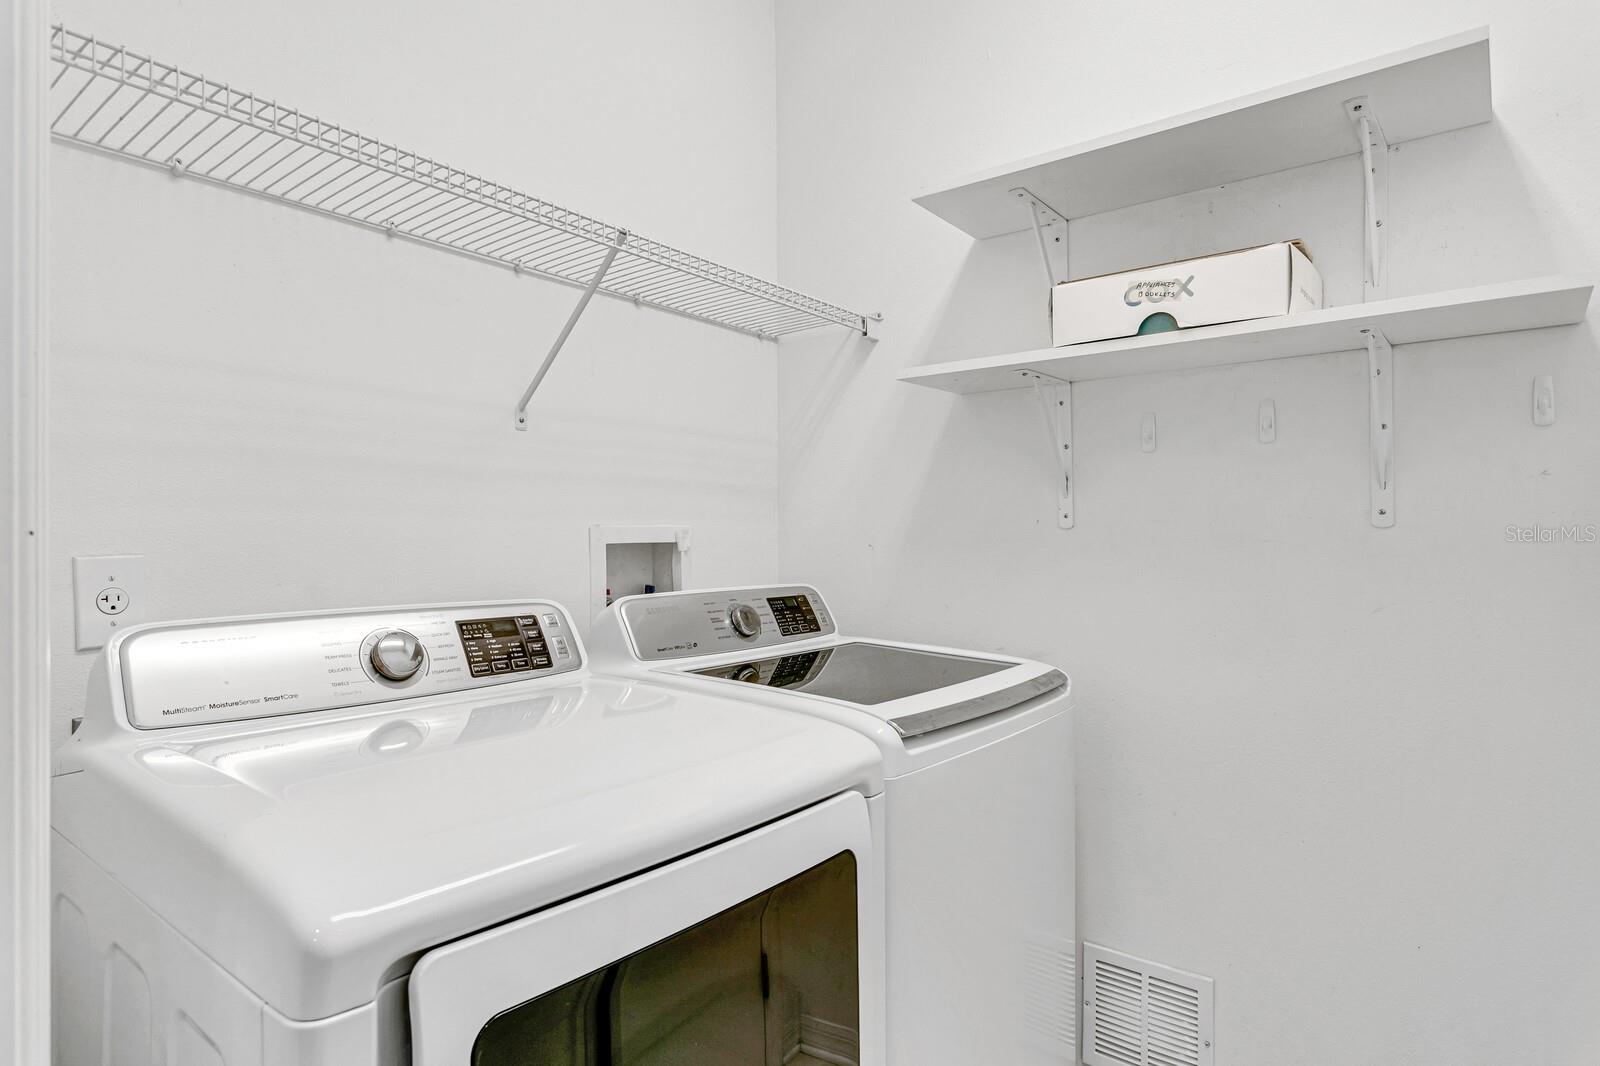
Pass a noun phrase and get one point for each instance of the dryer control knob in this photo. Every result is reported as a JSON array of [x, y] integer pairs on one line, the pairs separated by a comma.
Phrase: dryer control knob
[[397, 655], [744, 620]]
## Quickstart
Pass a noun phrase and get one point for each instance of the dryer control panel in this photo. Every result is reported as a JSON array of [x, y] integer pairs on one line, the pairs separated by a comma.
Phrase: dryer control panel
[[190, 673], [675, 625]]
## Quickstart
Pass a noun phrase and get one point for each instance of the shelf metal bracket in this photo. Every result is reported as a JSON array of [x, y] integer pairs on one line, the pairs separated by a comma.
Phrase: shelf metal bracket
[[1055, 401], [1374, 189], [1380, 409], [1042, 217], [521, 415]]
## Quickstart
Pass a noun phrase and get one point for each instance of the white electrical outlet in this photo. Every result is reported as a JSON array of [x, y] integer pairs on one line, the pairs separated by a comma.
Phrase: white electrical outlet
[[108, 596]]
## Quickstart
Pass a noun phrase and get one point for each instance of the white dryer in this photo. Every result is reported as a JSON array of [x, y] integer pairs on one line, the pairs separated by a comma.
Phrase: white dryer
[[428, 836], [980, 824]]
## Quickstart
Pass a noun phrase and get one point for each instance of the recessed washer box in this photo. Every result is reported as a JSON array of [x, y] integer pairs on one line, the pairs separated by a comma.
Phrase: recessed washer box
[[628, 560], [1273, 279]]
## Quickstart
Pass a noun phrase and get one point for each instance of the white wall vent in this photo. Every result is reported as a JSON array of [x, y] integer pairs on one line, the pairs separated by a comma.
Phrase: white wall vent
[[1140, 1013]]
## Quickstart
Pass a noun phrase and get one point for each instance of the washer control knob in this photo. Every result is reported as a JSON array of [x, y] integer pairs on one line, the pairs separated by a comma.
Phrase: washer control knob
[[397, 655], [746, 672], [744, 620]]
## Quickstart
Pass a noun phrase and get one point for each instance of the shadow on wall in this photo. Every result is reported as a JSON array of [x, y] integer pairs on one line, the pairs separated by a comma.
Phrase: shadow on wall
[[841, 366]]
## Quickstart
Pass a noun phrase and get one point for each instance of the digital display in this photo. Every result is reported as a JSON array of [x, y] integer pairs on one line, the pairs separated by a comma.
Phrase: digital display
[[793, 615], [503, 645]]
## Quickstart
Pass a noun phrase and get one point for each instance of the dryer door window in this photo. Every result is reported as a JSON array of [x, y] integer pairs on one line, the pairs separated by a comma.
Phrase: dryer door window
[[747, 987], [764, 950]]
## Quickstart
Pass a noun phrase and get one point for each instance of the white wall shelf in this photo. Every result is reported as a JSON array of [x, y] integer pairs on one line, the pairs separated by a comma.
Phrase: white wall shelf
[[109, 99], [1501, 308], [1428, 89], [1374, 327]]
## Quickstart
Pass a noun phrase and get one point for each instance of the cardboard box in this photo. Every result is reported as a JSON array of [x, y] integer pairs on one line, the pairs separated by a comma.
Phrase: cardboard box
[[1274, 279]]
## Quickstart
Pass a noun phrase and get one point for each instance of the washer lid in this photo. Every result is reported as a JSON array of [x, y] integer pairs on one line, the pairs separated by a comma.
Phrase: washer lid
[[313, 859], [868, 674]]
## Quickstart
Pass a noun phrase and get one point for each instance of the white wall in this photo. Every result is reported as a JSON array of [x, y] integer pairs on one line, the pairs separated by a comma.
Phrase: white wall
[[1347, 772], [282, 412]]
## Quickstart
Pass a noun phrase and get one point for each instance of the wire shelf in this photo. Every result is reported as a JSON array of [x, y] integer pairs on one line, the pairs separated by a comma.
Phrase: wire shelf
[[104, 97]]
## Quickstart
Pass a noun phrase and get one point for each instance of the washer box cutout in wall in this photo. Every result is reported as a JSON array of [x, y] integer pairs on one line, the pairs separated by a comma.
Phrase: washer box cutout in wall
[[628, 560], [1274, 279]]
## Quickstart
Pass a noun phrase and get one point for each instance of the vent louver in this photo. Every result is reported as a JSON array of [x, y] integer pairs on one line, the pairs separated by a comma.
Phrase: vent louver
[[1140, 1013], [1051, 1006]]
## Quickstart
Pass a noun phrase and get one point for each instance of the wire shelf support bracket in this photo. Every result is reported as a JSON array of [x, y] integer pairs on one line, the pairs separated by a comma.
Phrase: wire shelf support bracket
[[566, 330]]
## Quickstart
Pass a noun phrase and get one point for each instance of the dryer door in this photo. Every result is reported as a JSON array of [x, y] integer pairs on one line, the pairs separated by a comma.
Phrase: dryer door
[[751, 953]]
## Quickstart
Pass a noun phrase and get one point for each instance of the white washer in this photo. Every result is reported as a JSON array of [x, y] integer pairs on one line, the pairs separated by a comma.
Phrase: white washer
[[427, 835], [980, 834]]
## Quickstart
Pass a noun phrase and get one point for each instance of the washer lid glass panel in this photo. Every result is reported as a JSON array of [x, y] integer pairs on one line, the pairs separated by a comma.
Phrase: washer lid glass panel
[[861, 673]]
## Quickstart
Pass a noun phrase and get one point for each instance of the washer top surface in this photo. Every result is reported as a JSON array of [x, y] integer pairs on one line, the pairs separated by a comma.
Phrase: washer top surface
[[779, 646], [312, 854]]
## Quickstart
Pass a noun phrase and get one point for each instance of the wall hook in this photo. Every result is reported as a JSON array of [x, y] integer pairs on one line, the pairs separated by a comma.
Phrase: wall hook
[[1544, 401]]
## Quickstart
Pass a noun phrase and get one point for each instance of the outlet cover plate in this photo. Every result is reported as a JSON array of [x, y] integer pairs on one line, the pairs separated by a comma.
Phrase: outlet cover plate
[[108, 596]]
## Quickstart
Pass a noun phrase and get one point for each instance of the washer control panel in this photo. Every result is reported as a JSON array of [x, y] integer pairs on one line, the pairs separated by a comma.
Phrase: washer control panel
[[233, 669], [675, 625]]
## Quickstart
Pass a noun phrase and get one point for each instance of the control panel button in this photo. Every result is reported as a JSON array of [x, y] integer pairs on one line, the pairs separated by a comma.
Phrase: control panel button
[[397, 655], [743, 619]]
